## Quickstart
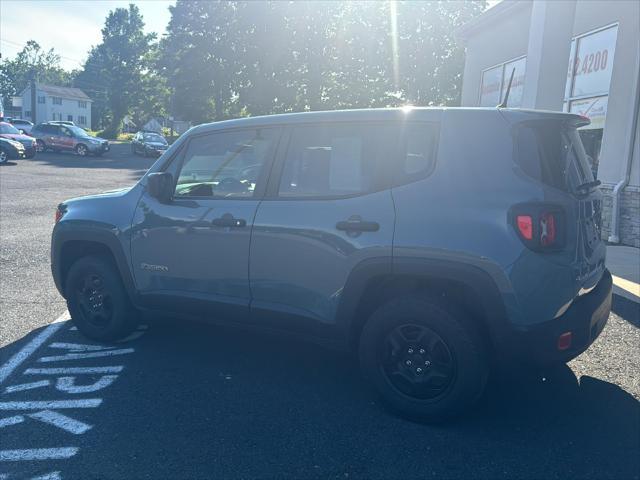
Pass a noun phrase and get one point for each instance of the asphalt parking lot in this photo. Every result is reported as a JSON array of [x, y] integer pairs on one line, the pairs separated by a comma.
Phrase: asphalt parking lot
[[186, 400]]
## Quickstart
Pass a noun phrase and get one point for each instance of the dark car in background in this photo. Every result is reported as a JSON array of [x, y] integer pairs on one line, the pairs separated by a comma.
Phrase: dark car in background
[[10, 150], [69, 138], [149, 144], [12, 133]]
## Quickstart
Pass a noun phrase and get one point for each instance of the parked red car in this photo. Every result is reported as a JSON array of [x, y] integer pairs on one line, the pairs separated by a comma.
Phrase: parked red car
[[12, 133]]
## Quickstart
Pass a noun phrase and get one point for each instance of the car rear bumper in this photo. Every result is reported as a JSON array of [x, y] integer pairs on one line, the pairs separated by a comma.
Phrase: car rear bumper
[[547, 343]]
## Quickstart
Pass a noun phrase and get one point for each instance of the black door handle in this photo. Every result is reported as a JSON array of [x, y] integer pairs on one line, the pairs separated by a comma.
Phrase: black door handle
[[228, 220], [356, 224]]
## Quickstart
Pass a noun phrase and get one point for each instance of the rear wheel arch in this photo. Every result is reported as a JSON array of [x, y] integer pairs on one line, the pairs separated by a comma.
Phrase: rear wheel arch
[[463, 286]]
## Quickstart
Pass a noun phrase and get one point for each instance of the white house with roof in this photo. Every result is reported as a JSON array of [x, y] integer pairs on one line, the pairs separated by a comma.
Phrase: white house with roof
[[57, 103]]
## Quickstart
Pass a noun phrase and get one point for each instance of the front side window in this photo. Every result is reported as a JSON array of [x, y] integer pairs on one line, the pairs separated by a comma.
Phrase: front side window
[[41, 99], [225, 165], [57, 100], [82, 104], [335, 160]]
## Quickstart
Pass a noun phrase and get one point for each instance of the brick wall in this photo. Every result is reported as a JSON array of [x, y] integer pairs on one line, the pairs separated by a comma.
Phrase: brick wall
[[629, 222]]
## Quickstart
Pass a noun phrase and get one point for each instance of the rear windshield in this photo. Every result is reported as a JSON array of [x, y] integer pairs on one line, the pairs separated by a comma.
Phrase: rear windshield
[[552, 153]]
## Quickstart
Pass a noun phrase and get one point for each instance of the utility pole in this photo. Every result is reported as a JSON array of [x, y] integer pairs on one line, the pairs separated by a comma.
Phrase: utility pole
[[34, 105]]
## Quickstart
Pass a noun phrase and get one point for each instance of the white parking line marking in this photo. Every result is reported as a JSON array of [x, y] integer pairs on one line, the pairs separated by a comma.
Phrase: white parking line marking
[[73, 329], [81, 347], [61, 421], [51, 404], [78, 356], [32, 346], [48, 476], [29, 454], [26, 386], [6, 422], [67, 384], [70, 370]]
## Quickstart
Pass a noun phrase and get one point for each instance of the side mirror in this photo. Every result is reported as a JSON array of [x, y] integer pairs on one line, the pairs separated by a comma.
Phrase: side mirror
[[160, 186]]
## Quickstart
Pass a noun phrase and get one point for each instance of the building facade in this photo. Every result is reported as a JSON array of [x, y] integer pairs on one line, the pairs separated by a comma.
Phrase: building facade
[[57, 103], [580, 56]]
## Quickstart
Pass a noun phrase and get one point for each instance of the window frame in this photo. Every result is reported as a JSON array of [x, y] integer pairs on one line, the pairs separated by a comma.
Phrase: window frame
[[400, 178], [381, 181], [177, 162]]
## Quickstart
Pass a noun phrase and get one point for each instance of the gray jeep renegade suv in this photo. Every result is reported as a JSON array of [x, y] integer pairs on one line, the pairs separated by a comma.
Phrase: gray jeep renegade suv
[[433, 242]]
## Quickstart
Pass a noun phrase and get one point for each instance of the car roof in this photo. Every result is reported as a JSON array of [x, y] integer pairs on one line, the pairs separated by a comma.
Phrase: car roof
[[382, 114]]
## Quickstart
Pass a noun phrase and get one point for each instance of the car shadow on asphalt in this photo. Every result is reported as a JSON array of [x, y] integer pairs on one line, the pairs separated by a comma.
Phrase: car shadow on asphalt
[[529, 424], [201, 401]]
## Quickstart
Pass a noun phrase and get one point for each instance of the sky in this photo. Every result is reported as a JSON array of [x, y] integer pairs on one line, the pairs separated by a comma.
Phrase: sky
[[70, 27]]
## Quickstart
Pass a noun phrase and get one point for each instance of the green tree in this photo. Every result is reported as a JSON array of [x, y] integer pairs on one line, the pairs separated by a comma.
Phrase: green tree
[[200, 59], [118, 65], [31, 62]]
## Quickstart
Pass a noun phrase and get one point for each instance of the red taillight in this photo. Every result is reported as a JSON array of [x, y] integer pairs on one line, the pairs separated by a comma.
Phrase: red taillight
[[547, 229], [541, 227], [59, 214], [525, 226], [564, 341]]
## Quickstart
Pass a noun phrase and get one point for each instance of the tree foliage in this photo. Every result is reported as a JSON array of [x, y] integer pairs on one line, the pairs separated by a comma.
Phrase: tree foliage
[[31, 62], [116, 69], [222, 59]]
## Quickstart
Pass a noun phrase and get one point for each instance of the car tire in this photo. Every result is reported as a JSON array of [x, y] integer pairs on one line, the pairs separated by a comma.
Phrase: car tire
[[81, 150], [40, 146], [426, 362], [4, 157], [31, 155], [97, 300]]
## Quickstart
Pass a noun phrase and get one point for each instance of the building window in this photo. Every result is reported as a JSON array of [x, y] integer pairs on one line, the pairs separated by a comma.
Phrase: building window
[[496, 79], [70, 118], [27, 113], [57, 100], [57, 116], [82, 104], [587, 88], [82, 120], [42, 99]]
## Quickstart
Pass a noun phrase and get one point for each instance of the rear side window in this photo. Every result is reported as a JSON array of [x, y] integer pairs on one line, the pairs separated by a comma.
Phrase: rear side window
[[53, 129], [336, 160], [418, 152], [552, 153]]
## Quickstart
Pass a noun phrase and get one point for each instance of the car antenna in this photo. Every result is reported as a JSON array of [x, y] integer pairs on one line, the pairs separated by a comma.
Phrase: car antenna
[[503, 104]]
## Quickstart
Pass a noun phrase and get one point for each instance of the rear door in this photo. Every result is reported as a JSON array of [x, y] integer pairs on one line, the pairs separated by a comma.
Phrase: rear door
[[66, 139], [51, 135], [328, 210]]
